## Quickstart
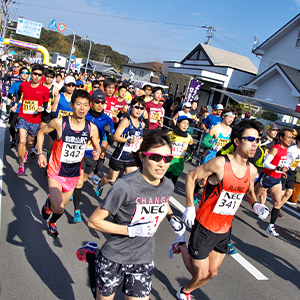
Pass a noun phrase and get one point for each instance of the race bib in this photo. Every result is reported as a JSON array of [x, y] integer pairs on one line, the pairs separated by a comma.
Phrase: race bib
[[222, 142], [228, 203], [151, 212], [178, 149], [63, 113], [30, 107], [282, 163], [154, 116], [295, 164], [132, 147], [72, 153]]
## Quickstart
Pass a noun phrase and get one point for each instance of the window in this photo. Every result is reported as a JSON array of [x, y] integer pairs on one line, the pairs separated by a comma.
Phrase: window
[[176, 90], [141, 73], [298, 41]]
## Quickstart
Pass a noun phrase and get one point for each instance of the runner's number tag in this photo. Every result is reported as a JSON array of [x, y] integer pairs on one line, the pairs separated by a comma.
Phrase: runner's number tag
[[72, 153], [30, 107], [228, 203]]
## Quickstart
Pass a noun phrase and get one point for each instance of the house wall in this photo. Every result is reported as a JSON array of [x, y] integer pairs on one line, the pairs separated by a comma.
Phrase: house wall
[[140, 74], [283, 51], [237, 78], [276, 89]]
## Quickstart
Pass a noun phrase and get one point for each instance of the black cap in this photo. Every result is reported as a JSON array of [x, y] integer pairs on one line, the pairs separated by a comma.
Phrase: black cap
[[98, 95]]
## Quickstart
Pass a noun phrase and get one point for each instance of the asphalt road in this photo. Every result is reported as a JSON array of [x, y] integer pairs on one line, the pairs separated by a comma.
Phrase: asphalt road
[[34, 266]]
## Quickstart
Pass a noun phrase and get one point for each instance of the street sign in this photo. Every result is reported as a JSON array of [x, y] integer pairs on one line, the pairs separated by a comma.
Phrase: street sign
[[1, 42], [61, 27], [29, 28], [52, 25]]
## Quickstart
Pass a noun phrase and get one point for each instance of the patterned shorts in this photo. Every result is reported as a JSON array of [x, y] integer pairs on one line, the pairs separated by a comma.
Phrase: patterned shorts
[[136, 279]]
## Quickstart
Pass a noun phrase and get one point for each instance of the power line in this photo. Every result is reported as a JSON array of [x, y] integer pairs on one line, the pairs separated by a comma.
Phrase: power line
[[115, 17]]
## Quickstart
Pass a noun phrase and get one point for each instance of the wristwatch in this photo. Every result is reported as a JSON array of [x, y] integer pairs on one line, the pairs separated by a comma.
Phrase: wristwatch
[[129, 140]]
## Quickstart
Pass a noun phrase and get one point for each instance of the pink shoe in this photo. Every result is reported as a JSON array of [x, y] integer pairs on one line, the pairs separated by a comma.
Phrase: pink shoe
[[25, 158], [21, 171]]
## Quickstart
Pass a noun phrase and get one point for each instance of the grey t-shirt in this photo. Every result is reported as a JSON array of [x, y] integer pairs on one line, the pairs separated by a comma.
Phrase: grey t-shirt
[[131, 199]]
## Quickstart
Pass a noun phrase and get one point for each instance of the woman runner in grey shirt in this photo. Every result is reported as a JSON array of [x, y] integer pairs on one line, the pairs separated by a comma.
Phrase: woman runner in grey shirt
[[138, 203]]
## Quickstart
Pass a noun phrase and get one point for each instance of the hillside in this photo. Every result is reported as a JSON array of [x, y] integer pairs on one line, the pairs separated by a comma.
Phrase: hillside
[[57, 42]]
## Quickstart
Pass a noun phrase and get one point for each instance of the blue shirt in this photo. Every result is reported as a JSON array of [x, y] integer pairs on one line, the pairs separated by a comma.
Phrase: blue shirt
[[13, 90], [212, 120], [100, 123]]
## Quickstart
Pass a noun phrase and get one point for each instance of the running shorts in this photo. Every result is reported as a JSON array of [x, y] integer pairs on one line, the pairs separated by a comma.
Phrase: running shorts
[[289, 182], [67, 183], [31, 128], [120, 166], [267, 181], [88, 164]]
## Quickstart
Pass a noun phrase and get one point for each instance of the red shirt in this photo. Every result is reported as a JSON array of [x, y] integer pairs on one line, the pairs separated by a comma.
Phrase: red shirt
[[110, 105], [154, 113], [118, 106], [32, 98], [279, 160]]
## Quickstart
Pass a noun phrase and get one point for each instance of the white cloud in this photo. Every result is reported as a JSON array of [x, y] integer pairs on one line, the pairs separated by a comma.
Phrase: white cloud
[[297, 2]]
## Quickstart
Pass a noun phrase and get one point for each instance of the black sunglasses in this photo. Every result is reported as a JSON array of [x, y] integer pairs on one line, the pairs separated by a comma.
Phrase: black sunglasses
[[71, 84], [80, 85], [99, 101], [251, 139], [37, 74], [138, 107]]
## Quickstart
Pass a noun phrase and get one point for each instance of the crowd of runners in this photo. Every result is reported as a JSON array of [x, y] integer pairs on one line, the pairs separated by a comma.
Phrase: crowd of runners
[[153, 136]]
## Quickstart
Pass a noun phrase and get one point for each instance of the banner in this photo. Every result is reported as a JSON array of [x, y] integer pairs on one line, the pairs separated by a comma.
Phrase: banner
[[78, 64], [192, 90]]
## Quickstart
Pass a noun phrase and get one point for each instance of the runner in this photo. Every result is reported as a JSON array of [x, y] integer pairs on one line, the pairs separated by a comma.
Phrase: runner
[[97, 116], [14, 112], [35, 98], [73, 133], [186, 111], [270, 178], [154, 109], [293, 161], [230, 177], [180, 142], [213, 119], [126, 258], [129, 137]]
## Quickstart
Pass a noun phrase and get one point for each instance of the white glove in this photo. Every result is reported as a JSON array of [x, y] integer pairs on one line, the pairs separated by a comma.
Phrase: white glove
[[189, 216], [178, 226], [216, 148], [143, 228], [261, 210]]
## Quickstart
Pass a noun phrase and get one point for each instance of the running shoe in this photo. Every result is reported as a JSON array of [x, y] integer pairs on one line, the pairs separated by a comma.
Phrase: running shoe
[[90, 247], [99, 190], [196, 201], [46, 211], [184, 296], [52, 230], [77, 217], [21, 171], [280, 215], [32, 153], [25, 157], [95, 179], [271, 230], [173, 248], [231, 249]]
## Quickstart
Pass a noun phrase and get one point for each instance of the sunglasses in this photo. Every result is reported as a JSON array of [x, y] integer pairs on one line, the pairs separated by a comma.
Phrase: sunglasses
[[80, 85], [37, 74], [158, 157], [24, 72], [148, 89], [96, 87], [71, 85], [138, 107], [251, 139], [49, 77], [16, 66], [99, 101]]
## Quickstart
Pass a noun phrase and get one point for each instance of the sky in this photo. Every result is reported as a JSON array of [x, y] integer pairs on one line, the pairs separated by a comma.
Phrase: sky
[[164, 30]]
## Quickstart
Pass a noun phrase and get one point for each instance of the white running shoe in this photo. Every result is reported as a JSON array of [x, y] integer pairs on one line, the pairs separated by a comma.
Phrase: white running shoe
[[291, 203], [95, 179], [184, 296], [173, 248], [271, 230]]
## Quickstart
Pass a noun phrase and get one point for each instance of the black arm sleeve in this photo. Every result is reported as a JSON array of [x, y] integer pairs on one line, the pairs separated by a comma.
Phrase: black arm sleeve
[[110, 139], [146, 121], [52, 115], [18, 96], [10, 96], [120, 115], [45, 105]]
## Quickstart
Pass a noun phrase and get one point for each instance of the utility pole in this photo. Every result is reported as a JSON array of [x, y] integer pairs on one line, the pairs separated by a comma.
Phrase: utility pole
[[210, 30], [4, 16], [104, 58]]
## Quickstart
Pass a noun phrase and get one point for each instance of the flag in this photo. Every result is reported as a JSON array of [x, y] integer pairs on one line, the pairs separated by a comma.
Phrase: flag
[[193, 90]]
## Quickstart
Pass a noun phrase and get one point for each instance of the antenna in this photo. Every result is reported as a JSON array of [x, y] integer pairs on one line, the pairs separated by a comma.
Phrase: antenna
[[256, 43]]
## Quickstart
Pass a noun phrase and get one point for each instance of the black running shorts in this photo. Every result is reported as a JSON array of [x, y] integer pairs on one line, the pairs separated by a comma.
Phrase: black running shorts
[[203, 241], [136, 279]]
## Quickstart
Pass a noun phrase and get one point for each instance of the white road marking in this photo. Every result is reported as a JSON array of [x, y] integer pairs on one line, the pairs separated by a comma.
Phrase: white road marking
[[241, 260]]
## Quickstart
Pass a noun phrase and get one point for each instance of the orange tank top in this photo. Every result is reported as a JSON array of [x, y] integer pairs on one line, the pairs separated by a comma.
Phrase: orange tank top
[[220, 202]]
